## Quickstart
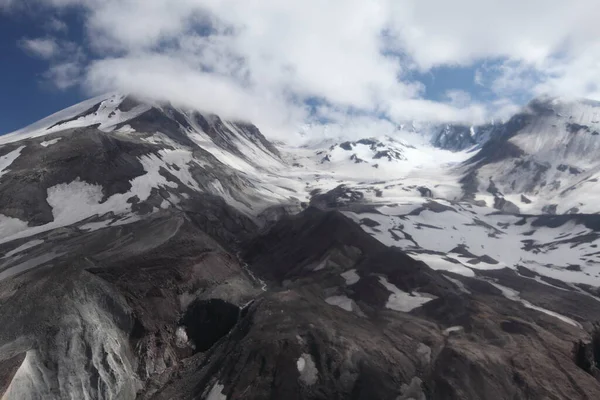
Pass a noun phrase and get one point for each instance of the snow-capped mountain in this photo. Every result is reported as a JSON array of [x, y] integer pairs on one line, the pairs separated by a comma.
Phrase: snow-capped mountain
[[120, 157], [149, 251], [542, 160], [368, 150]]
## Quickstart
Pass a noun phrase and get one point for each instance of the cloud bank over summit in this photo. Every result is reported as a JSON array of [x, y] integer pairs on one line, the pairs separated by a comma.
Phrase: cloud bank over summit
[[280, 64]]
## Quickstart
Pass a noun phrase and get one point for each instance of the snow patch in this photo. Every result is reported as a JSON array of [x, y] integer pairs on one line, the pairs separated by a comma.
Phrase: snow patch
[[400, 300], [27, 265], [181, 337], [72, 202], [39, 128], [438, 262], [467, 237], [7, 159], [94, 226], [308, 369], [351, 277], [183, 159], [50, 142], [461, 286], [448, 331], [424, 352], [301, 363], [218, 189], [106, 116], [513, 295], [78, 200], [23, 247], [216, 393], [126, 129], [342, 302]]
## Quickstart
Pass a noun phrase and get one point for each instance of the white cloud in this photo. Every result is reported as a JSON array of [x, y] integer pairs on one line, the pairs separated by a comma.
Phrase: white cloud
[[265, 54], [56, 25], [458, 98], [547, 46], [45, 48], [509, 78], [575, 77], [64, 75], [436, 32], [165, 77], [260, 59], [503, 109]]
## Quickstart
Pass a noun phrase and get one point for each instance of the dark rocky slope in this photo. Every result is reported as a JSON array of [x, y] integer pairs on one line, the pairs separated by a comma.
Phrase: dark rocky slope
[[501, 350], [110, 315]]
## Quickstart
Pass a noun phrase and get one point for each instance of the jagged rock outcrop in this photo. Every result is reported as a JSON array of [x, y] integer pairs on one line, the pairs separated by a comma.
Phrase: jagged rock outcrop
[[461, 137]]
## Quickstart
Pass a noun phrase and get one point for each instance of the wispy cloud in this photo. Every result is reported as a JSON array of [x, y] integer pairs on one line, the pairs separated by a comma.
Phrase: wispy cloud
[[45, 48], [55, 25], [66, 60], [64, 75]]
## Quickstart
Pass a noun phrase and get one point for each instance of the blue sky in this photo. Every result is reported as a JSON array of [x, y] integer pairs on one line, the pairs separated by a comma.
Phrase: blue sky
[[282, 64], [442, 79], [26, 95]]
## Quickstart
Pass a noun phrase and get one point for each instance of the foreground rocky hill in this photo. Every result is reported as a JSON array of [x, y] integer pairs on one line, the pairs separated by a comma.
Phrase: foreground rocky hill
[[153, 252]]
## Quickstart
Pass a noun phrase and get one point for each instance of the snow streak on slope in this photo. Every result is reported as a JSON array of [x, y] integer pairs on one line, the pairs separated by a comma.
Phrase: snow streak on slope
[[514, 295], [8, 159]]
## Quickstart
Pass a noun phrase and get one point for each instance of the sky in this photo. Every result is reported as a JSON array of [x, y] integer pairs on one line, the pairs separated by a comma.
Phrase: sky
[[285, 64]]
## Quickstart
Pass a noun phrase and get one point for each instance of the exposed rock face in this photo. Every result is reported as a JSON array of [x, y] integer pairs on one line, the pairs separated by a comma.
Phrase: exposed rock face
[[425, 192], [461, 137], [505, 206], [336, 198]]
